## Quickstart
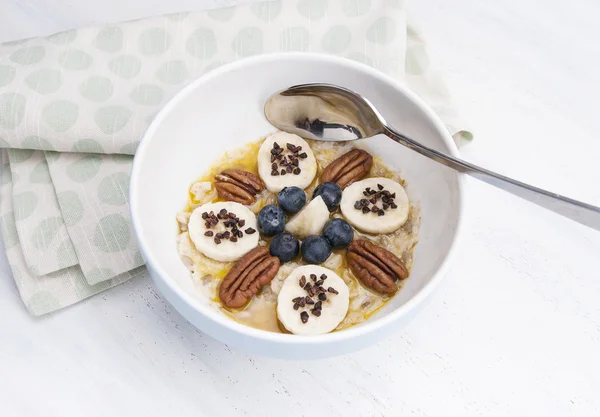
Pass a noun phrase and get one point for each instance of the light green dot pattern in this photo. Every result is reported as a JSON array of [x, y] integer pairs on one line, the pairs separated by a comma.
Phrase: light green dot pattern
[[111, 119], [114, 189], [109, 39], [88, 145], [65, 255], [24, 204], [84, 168], [112, 233], [125, 66], [147, 95], [357, 56], [312, 9], [40, 174], [248, 41], [43, 302], [266, 11], [20, 155], [9, 230], [336, 39], [44, 81], [202, 44], [63, 38], [28, 56], [60, 115], [96, 88], [129, 148], [12, 110], [294, 39], [382, 31], [71, 207], [172, 72], [75, 60], [45, 231], [99, 274], [36, 142], [7, 74], [223, 14], [355, 8], [154, 41]]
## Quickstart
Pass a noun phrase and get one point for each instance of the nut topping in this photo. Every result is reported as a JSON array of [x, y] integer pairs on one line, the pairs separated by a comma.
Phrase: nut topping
[[238, 185], [377, 268], [248, 275], [348, 168]]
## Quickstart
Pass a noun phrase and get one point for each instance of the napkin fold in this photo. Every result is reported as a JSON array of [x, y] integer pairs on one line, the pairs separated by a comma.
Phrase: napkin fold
[[74, 105]]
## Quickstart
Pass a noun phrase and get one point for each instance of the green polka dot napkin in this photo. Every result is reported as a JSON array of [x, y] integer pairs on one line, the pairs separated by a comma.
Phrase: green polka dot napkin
[[74, 105]]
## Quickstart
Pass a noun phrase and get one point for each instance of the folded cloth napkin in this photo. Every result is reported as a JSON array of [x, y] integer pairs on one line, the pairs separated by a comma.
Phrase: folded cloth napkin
[[74, 105]]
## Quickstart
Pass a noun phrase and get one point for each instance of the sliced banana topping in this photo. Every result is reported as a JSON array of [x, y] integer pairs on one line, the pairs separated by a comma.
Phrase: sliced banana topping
[[313, 300], [223, 231], [286, 160], [375, 205], [310, 220]]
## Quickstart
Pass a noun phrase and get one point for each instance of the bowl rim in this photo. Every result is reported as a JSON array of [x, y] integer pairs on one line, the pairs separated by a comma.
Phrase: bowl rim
[[216, 317]]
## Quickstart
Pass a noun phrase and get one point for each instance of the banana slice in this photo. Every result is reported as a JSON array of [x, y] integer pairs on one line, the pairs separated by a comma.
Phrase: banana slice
[[310, 220], [375, 205], [304, 309], [223, 231], [285, 160]]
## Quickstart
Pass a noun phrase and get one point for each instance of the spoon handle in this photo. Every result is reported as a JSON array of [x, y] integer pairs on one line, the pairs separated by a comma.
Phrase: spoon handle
[[578, 211]]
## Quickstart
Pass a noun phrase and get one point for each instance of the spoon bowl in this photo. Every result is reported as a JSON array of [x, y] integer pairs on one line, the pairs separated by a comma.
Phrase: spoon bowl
[[332, 113]]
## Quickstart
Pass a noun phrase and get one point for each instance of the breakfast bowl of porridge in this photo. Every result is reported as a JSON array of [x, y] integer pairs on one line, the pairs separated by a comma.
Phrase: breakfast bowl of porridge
[[285, 246]]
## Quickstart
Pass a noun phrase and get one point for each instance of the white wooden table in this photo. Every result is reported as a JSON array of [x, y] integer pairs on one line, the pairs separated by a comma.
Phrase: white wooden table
[[513, 331]]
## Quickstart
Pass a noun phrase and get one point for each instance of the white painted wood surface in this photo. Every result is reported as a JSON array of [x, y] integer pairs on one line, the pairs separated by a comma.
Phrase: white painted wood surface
[[513, 331]]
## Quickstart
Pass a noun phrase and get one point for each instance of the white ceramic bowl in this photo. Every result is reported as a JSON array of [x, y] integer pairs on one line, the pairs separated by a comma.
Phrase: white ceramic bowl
[[223, 110]]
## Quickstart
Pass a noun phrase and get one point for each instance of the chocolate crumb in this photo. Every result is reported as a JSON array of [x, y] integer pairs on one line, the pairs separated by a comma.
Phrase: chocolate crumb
[[217, 240], [283, 172], [374, 209], [322, 296], [296, 306], [313, 277], [250, 231], [302, 281], [393, 205], [323, 277], [304, 316], [274, 173], [303, 155], [381, 212], [308, 300], [318, 305], [208, 233], [332, 290], [242, 223], [302, 302], [319, 282], [308, 288], [380, 187], [233, 239], [205, 215], [274, 166], [289, 169], [386, 206], [297, 171], [366, 210], [316, 312]]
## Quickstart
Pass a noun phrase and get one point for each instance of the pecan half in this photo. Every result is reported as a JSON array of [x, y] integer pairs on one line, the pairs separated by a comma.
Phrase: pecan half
[[377, 268], [348, 168], [238, 185], [242, 282]]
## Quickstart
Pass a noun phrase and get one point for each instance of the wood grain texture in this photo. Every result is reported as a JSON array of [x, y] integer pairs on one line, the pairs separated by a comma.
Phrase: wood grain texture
[[514, 330]]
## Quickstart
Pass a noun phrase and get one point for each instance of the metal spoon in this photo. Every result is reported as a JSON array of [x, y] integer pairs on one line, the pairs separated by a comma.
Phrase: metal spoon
[[332, 113]]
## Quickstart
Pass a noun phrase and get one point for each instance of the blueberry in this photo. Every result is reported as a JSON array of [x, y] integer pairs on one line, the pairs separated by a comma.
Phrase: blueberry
[[315, 249], [338, 233], [331, 193], [291, 199], [285, 246], [271, 220]]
